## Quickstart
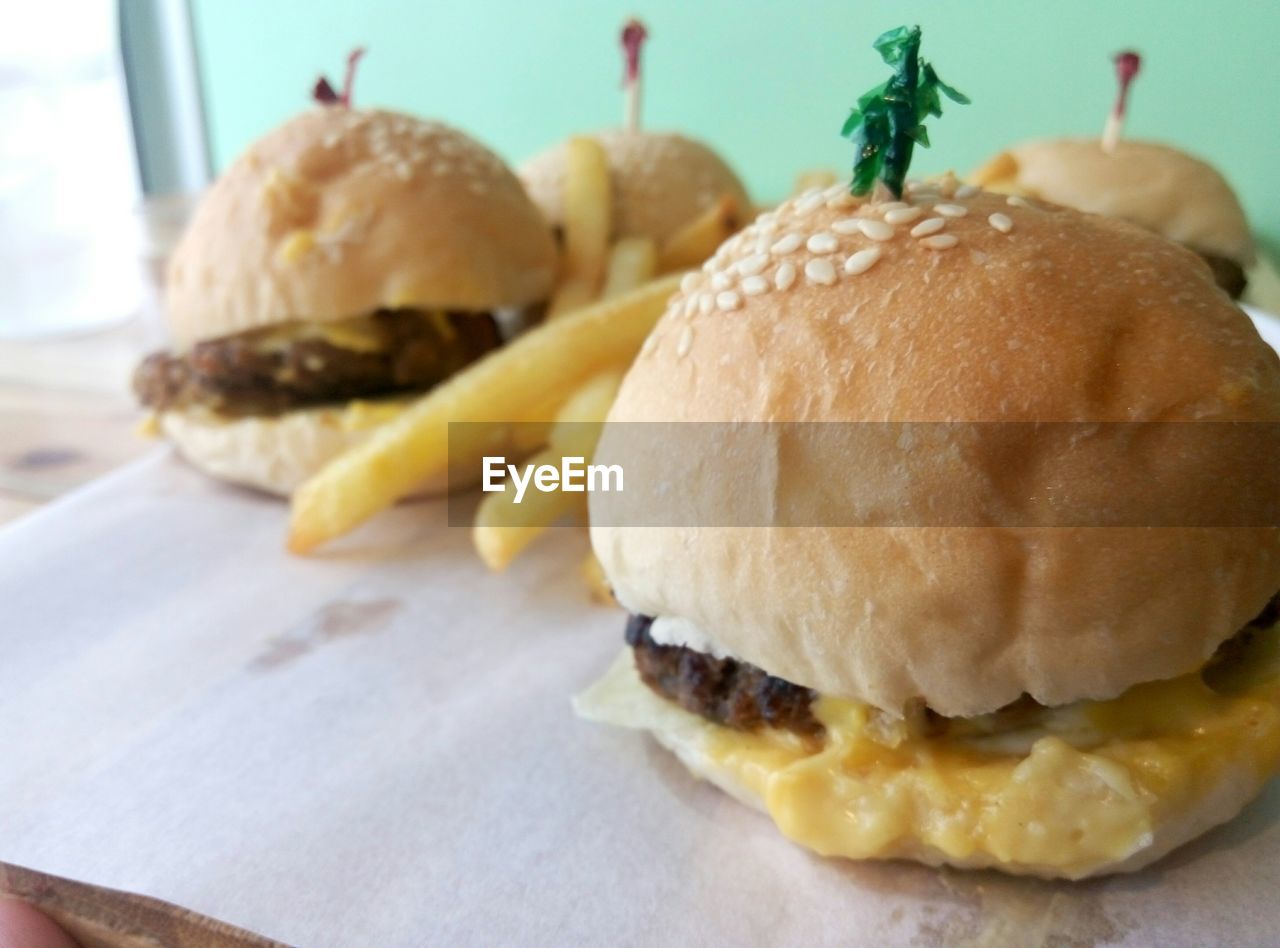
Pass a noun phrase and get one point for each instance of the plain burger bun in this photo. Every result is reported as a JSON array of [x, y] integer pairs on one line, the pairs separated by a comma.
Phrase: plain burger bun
[[1152, 185], [660, 181], [1032, 315], [340, 212], [276, 453]]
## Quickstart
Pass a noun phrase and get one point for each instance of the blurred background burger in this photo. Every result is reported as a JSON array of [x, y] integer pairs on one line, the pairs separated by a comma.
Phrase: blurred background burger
[[348, 258], [1155, 186]]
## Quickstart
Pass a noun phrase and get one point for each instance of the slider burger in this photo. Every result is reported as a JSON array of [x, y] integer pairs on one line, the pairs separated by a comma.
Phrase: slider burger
[[971, 676], [997, 586], [660, 181], [1155, 186], [348, 260]]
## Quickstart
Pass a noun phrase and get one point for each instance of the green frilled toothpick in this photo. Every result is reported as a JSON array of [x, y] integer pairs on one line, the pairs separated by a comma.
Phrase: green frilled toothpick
[[889, 120]]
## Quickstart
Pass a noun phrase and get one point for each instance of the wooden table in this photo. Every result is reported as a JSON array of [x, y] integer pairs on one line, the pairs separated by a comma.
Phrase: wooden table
[[66, 413]]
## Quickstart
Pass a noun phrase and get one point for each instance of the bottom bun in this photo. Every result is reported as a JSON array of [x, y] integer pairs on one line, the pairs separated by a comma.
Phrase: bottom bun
[[1116, 807], [278, 453]]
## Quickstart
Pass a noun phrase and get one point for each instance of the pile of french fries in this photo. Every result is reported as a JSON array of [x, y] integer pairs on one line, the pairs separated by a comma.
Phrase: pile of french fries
[[542, 397]]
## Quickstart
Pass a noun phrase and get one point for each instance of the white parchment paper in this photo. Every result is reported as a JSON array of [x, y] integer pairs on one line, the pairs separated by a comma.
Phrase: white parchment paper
[[375, 747]]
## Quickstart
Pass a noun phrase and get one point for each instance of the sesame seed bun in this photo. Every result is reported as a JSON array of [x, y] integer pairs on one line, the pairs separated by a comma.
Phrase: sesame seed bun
[[660, 181], [826, 311], [1154, 186], [340, 212]]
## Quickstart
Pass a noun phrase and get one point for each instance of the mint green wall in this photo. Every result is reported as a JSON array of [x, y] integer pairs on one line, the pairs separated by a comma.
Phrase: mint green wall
[[767, 81]]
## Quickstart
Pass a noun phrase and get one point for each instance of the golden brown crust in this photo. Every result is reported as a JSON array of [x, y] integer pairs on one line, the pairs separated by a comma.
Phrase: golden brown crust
[[1066, 317], [339, 212], [660, 181], [1154, 186]]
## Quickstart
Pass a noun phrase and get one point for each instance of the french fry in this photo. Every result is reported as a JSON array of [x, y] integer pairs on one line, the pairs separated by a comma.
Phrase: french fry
[[814, 178], [543, 366], [573, 293], [588, 216], [590, 403], [698, 239], [632, 261], [504, 528]]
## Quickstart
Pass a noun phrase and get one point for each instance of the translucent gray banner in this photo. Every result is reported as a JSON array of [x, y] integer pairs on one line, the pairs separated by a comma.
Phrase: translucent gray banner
[[892, 474]]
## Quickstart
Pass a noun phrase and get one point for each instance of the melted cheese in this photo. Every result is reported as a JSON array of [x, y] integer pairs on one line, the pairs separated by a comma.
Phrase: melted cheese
[[363, 415], [361, 334], [1085, 788]]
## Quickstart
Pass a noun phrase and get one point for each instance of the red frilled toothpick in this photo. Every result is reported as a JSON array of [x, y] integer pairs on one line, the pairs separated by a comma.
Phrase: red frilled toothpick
[[1127, 65], [323, 92], [633, 36]]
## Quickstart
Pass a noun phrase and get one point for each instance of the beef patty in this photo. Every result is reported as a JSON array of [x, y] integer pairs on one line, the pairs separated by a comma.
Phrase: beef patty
[[742, 696], [265, 372], [729, 692]]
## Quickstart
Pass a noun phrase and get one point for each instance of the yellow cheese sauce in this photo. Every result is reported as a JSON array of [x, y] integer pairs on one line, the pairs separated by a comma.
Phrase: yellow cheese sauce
[[1087, 788]]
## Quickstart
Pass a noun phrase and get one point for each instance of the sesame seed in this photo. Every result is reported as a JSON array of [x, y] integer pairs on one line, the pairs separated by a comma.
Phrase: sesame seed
[[941, 241], [685, 343], [847, 225], [1018, 200], [862, 261], [690, 304], [822, 243], [820, 270], [750, 266], [894, 205], [951, 210], [720, 281], [1001, 222], [688, 282], [875, 230], [706, 303], [729, 300], [762, 243], [842, 200], [755, 285], [767, 225], [330, 140], [785, 276], [929, 226], [403, 171], [809, 204], [788, 244], [903, 215], [650, 343], [967, 190]]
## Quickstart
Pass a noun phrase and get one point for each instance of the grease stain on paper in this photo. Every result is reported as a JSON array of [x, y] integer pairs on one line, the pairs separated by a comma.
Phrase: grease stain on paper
[[332, 621]]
